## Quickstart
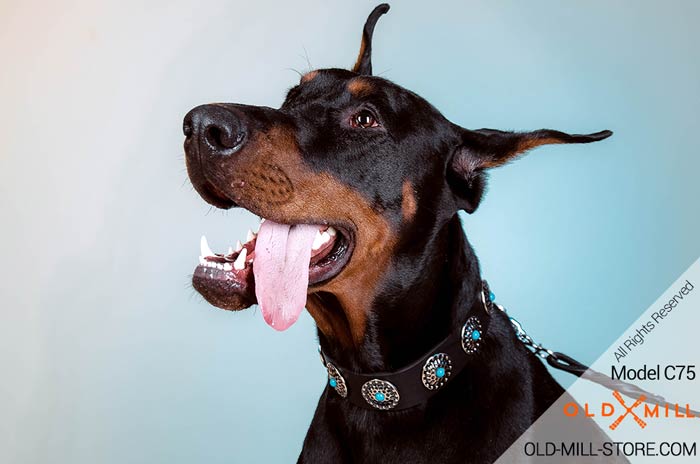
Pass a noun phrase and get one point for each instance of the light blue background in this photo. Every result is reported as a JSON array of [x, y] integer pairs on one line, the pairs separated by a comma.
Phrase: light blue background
[[109, 356]]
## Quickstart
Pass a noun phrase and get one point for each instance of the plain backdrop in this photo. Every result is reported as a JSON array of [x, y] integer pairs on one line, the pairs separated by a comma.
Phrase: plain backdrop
[[108, 355]]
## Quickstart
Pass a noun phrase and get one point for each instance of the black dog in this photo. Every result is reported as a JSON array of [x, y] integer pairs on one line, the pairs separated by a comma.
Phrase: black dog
[[360, 182]]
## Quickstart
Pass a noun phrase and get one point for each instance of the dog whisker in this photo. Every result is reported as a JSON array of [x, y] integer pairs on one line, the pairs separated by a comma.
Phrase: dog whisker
[[296, 71], [308, 61]]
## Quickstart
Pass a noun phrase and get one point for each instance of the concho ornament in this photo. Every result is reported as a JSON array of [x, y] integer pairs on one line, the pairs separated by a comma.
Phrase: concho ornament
[[436, 371], [471, 335], [336, 381], [380, 394]]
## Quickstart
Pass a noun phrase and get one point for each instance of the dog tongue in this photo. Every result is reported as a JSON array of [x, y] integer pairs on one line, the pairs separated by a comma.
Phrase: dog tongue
[[281, 269]]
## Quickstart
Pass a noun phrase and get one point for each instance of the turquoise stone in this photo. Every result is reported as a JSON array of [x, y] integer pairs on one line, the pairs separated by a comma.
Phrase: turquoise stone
[[379, 396], [332, 382], [492, 296], [440, 372], [476, 335]]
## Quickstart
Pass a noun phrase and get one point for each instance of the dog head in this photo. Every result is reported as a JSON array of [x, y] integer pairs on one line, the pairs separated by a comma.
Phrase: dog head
[[351, 174]]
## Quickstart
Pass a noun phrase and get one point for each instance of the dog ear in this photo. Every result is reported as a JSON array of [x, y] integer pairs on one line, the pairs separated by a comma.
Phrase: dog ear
[[363, 65], [488, 148]]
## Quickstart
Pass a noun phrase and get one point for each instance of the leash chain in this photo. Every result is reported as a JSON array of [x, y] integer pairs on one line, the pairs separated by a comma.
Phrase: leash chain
[[568, 364], [527, 340]]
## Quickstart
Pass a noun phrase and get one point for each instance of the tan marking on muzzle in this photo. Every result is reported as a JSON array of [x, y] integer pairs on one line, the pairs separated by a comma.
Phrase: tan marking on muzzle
[[317, 198]]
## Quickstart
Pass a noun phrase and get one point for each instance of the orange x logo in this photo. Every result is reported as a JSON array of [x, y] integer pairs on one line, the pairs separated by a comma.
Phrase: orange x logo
[[628, 410]]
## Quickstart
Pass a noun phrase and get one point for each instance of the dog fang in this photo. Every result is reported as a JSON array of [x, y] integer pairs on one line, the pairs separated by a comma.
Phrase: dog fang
[[239, 264], [204, 247]]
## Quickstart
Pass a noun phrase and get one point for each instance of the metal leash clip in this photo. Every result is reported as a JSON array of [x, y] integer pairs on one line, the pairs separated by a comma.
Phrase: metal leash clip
[[527, 340], [538, 350]]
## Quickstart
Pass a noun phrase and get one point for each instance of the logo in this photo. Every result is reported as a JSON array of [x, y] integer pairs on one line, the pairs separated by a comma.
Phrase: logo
[[628, 411], [639, 411]]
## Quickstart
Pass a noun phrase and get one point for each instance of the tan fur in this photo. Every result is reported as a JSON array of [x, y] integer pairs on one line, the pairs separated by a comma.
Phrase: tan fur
[[359, 86], [309, 76], [363, 45], [284, 190], [408, 201]]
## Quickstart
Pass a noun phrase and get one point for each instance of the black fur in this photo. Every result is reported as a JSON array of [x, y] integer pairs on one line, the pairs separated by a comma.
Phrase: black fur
[[433, 278], [478, 414]]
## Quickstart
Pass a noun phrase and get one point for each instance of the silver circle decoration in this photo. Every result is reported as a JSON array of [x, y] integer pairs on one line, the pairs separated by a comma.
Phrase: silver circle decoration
[[380, 394], [334, 377], [436, 364], [471, 335]]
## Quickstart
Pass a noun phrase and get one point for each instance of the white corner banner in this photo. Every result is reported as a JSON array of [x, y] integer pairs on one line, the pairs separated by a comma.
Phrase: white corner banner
[[660, 353]]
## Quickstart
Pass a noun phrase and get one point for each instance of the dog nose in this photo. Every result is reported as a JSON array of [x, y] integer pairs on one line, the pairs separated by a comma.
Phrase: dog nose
[[215, 129]]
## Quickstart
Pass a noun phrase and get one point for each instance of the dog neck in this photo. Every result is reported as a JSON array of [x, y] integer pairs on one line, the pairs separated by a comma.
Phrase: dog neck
[[438, 286]]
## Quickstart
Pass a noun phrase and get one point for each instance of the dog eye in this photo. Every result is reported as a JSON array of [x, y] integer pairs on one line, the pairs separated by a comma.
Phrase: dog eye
[[364, 119]]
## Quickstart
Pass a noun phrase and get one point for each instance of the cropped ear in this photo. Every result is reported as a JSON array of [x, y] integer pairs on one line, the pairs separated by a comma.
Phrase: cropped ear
[[363, 65], [488, 148]]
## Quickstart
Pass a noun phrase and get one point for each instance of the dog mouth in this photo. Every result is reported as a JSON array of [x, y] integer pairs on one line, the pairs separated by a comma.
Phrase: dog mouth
[[276, 268]]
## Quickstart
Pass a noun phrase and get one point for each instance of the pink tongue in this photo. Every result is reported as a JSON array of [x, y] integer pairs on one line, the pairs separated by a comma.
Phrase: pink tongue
[[281, 269]]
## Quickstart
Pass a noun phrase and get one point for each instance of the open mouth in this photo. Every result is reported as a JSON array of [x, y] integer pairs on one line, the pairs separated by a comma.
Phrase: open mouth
[[275, 267]]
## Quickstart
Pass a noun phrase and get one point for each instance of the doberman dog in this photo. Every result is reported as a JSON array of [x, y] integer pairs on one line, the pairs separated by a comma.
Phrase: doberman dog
[[359, 183]]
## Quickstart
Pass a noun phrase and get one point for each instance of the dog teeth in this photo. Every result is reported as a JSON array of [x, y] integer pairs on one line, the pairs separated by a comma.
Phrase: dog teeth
[[239, 264], [204, 247], [317, 242], [320, 239]]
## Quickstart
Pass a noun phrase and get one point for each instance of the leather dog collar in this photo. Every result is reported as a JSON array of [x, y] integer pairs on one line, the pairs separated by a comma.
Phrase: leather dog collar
[[417, 382]]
